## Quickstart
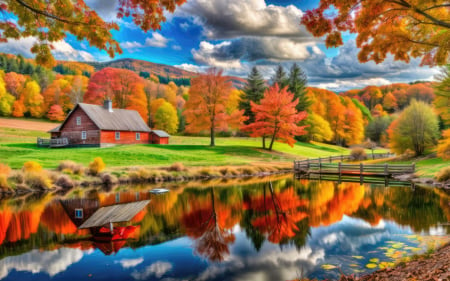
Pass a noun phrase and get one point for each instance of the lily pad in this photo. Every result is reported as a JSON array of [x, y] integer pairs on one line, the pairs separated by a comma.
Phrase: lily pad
[[354, 265], [358, 257], [374, 260], [371, 265]]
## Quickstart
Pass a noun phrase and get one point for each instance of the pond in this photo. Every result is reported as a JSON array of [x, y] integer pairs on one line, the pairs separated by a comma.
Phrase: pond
[[276, 228]]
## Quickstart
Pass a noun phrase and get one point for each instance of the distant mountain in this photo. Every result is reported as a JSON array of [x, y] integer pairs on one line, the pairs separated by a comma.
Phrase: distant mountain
[[162, 70]]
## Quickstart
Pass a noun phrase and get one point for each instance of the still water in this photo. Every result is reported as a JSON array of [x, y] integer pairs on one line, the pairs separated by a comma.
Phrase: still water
[[259, 229]]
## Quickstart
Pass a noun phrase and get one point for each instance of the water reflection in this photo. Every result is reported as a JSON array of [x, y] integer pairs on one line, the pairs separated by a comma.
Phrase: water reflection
[[265, 230]]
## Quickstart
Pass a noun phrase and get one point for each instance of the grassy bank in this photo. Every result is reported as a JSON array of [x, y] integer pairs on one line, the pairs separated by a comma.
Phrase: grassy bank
[[425, 167]]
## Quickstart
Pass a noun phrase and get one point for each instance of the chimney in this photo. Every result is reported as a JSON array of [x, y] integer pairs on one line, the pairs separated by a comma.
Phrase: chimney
[[107, 104]]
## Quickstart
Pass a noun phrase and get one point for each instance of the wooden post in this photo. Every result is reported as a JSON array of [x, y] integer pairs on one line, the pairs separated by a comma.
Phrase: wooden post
[[414, 167], [307, 163], [386, 169], [330, 159], [320, 166], [361, 170], [342, 157], [339, 171]]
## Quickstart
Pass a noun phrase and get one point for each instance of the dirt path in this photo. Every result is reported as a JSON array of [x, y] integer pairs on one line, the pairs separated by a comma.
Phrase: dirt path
[[27, 124], [436, 267]]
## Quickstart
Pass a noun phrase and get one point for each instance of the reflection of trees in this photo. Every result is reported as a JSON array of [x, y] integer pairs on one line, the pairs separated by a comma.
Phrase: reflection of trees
[[210, 223], [278, 216]]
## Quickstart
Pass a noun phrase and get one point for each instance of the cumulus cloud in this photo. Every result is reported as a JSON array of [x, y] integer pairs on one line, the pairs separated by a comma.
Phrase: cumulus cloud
[[157, 269], [61, 49], [157, 40], [131, 45], [35, 261], [235, 18]]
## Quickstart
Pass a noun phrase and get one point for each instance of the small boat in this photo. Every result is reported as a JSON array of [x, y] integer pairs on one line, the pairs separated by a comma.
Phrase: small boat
[[159, 190]]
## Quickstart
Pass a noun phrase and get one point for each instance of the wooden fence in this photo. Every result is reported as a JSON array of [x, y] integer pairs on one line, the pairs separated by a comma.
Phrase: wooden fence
[[386, 181]]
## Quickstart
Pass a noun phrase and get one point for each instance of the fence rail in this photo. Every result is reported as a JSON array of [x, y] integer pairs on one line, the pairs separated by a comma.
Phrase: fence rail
[[60, 142]]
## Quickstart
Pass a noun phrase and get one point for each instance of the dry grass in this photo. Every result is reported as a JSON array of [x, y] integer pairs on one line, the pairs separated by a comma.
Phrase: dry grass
[[443, 174], [70, 167]]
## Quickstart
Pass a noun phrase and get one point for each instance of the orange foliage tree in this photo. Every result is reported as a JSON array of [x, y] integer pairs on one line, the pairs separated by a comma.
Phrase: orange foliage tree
[[390, 102], [206, 107], [56, 113], [404, 28], [276, 117], [124, 87]]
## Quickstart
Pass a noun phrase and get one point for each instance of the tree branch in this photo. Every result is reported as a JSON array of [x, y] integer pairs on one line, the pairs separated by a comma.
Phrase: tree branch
[[46, 14], [437, 6]]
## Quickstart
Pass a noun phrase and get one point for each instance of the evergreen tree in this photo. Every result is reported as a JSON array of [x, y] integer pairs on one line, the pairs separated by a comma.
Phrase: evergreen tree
[[253, 91], [297, 85], [280, 77]]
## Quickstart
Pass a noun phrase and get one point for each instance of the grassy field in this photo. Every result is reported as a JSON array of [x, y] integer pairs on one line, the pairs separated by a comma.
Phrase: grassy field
[[18, 145]]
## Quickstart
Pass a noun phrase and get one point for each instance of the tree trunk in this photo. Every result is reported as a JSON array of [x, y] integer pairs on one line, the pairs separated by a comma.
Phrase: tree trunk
[[264, 142], [212, 143], [271, 141]]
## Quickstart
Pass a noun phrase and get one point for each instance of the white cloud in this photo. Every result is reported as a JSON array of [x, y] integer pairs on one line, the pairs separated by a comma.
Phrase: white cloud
[[177, 47], [157, 269], [35, 261], [184, 26], [127, 263], [191, 67], [157, 40], [61, 49], [131, 45]]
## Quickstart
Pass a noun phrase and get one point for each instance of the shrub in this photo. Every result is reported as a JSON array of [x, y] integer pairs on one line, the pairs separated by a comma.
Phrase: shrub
[[109, 179], [443, 174], [5, 170], [223, 171], [96, 166], [176, 167], [70, 167], [38, 180], [65, 182], [443, 149], [358, 154], [32, 166]]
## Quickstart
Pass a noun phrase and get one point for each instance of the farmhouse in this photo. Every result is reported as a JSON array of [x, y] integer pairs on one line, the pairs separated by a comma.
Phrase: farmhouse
[[100, 126]]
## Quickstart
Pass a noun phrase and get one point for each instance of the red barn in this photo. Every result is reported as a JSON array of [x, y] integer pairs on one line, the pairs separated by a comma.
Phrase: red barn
[[96, 125], [159, 137]]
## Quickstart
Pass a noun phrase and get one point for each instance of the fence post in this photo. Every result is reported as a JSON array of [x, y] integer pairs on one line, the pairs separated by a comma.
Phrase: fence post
[[339, 171], [385, 169], [414, 167], [330, 158], [361, 170], [307, 163], [342, 157], [320, 166]]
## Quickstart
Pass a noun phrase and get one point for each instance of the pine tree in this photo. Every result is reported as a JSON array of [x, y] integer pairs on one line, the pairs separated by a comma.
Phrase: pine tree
[[280, 77], [297, 85], [254, 91]]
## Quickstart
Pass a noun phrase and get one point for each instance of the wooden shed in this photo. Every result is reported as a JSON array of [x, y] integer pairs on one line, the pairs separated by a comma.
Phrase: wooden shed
[[159, 137], [96, 125]]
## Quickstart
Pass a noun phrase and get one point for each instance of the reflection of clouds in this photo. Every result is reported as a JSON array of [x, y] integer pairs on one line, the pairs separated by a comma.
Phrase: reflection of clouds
[[51, 262], [270, 263], [157, 269], [127, 263]]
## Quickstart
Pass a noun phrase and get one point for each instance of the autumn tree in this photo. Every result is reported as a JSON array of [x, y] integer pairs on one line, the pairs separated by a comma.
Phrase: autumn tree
[[318, 128], [353, 123], [58, 93], [421, 92], [14, 83], [154, 105], [277, 117], [390, 102], [170, 93], [253, 92], [79, 87], [56, 113], [166, 118], [206, 107], [416, 128], [6, 99], [443, 148], [405, 28], [376, 129], [124, 87], [51, 21], [33, 100]]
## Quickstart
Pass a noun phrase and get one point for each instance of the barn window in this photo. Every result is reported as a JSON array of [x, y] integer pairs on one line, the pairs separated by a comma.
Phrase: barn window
[[78, 213], [83, 135], [117, 135], [138, 136], [78, 121]]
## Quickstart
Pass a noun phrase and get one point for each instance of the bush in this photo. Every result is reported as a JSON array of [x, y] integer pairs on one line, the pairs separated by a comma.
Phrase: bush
[[37, 180], [109, 179], [32, 166], [65, 182], [443, 148], [358, 154], [176, 167], [96, 166], [4, 174], [70, 167], [443, 174]]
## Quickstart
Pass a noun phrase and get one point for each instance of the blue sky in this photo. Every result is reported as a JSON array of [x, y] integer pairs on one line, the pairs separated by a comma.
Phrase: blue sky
[[235, 35]]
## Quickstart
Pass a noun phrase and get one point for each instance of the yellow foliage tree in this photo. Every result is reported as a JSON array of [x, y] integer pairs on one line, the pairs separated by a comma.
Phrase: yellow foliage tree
[[33, 100], [443, 148], [319, 128], [166, 118]]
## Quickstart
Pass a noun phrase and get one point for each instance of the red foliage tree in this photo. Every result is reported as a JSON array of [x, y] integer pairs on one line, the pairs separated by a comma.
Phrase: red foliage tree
[[124, 87], [276, 117], [56, 113]]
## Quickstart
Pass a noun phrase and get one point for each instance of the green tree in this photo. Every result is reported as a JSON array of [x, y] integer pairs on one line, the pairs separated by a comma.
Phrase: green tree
[[166, 118], [297, 85], [416, 128], [253, 91], [280, 77], [376, 128], [442, 92]]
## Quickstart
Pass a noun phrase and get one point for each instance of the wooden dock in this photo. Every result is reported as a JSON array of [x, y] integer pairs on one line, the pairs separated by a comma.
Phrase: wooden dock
[[385, 181]]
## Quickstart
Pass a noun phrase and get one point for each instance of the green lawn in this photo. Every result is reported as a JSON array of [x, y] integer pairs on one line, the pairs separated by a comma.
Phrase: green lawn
[[191, 151]]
